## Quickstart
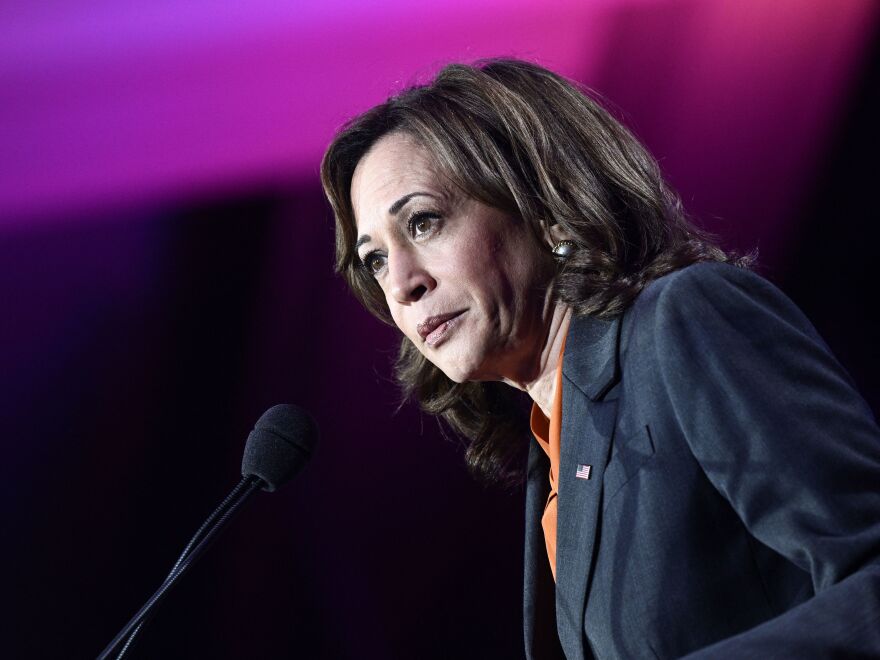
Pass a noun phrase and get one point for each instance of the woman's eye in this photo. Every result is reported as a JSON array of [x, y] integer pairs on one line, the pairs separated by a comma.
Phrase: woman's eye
[[373, 263], [420, 224]]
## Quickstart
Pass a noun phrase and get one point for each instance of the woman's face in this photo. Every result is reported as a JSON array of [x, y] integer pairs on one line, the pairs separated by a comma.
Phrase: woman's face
[[465, 282]]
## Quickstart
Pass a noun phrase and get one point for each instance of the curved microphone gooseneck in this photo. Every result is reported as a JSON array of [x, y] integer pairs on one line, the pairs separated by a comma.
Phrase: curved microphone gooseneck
[[222, 515], [279, 446]]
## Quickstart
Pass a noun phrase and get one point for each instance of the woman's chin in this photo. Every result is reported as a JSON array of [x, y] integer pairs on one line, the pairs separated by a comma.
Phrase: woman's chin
[[460, 373], [456, 375]]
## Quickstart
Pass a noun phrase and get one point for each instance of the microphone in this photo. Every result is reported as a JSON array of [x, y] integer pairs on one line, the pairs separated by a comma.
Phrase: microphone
[[280, 445]]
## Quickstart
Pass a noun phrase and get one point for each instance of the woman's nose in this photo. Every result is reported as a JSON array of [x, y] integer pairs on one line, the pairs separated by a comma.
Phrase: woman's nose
[[408, 277]]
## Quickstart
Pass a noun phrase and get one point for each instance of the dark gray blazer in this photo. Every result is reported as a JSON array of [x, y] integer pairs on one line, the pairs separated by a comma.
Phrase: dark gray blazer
[[734, 488]]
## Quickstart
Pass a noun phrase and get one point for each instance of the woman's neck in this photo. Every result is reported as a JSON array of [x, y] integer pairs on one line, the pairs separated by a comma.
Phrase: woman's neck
[[542, 389]]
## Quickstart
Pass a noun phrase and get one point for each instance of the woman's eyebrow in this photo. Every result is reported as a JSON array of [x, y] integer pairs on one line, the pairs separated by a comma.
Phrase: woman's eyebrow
[[400, 203]]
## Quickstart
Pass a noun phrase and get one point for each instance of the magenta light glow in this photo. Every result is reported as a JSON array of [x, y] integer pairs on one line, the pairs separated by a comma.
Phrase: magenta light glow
[[102, 103]]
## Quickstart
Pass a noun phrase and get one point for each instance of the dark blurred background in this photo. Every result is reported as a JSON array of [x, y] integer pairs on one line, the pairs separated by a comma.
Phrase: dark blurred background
[[166, 275]]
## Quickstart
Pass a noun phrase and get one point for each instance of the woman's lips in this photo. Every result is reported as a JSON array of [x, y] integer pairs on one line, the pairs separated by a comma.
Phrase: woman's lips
[[436, 329]]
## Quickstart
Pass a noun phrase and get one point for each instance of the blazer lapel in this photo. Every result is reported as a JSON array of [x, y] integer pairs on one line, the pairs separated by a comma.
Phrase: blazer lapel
[[590, 370]]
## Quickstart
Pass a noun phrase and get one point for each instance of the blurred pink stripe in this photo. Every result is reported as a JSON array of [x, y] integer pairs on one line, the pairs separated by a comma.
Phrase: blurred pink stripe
[[105, 105]]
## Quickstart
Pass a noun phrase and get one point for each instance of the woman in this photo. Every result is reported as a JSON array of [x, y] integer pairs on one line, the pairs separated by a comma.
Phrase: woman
[[703, 478]]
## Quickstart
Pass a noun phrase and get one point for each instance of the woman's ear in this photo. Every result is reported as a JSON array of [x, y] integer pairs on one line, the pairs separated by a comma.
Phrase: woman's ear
[[554, 233], [558, 233], [559, 241]]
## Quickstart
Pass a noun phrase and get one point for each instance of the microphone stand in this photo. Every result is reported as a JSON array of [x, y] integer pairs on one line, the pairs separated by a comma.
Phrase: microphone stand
[[197, 545]]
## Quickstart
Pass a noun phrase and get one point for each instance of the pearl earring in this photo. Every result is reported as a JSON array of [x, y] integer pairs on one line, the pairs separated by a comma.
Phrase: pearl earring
[[564, 249]]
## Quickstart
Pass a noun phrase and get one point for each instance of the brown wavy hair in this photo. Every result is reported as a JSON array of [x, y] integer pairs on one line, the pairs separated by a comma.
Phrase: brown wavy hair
[[525, 140]]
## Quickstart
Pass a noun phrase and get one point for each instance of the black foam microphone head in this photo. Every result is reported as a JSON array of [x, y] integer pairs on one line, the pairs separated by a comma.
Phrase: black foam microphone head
[[280, 445]]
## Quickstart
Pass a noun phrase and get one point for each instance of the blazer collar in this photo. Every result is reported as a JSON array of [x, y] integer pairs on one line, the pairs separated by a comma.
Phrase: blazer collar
[[591, 355]]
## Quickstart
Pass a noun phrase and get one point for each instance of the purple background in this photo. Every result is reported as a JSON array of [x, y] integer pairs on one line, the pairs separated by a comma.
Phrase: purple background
[[166, 275]]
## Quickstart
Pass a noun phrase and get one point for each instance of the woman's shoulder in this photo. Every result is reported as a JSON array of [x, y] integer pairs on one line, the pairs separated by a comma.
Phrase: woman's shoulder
[[688, 285], [712, 300], [716, 287], [715, 308]]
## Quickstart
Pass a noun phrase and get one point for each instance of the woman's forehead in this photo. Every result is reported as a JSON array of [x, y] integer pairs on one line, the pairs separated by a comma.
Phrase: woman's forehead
[[395, 166]]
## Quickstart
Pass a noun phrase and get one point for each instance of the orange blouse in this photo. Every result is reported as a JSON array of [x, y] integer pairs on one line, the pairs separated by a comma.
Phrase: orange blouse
[[547, 432]]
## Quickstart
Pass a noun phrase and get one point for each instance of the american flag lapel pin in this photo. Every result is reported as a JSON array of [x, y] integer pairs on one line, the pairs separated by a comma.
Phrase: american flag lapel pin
[[583, 471]]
